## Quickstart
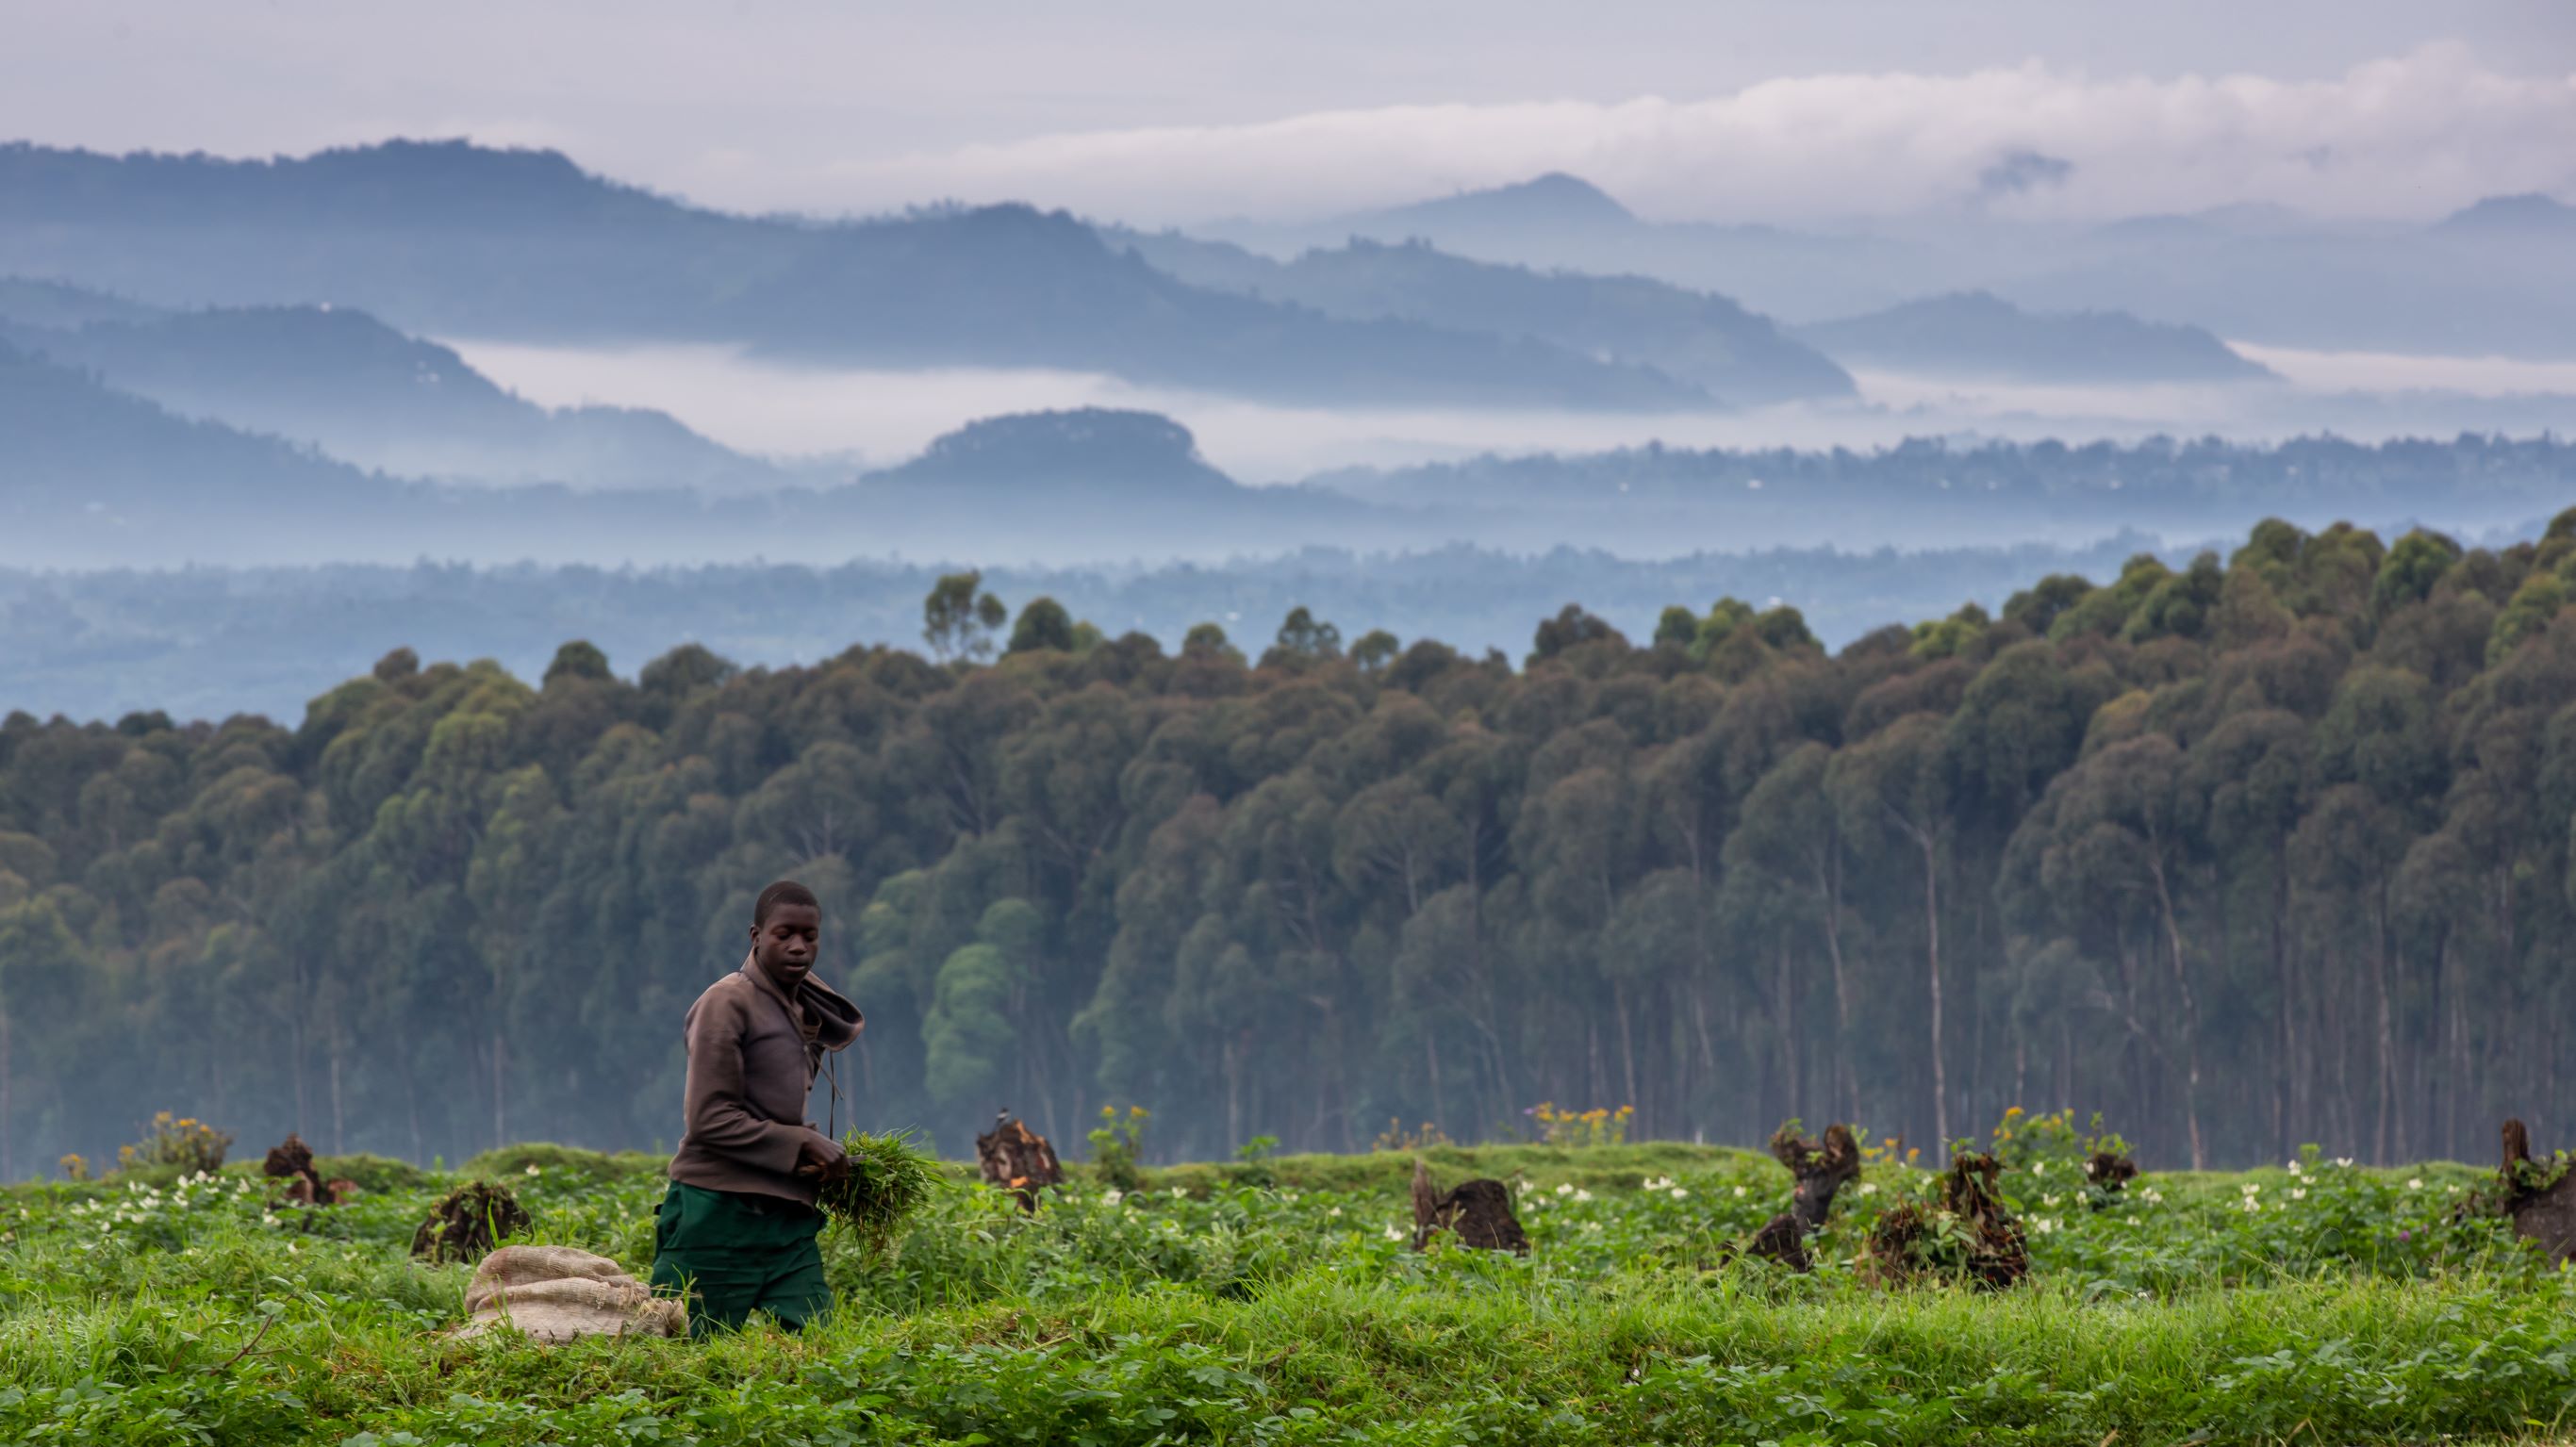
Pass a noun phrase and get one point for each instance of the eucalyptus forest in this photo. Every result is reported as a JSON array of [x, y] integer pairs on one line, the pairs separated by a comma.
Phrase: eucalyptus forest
[[2265, 850]]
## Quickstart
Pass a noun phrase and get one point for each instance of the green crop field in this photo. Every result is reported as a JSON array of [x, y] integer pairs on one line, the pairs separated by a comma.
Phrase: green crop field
[[1278, 1302]]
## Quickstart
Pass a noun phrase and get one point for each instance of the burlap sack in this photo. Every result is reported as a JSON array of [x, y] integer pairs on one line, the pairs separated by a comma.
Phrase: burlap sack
[[555, 1293]]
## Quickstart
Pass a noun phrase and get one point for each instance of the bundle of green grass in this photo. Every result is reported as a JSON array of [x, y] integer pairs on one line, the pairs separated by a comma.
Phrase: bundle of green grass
[[889, 1178]]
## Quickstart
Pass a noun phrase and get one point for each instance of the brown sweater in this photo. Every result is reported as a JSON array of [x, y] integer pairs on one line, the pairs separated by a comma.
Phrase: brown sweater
[[752, 1058]]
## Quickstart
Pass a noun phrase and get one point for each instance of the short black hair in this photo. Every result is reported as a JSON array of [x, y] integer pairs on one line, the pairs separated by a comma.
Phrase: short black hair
[[785, 891]]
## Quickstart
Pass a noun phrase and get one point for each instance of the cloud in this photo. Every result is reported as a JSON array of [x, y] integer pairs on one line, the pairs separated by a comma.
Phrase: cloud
[[2018, 171], [2414, 135]]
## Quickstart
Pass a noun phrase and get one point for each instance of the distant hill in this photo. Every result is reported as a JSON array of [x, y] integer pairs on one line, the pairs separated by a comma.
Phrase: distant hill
[[1739, 356], [1131, 452], [2529, 215], [1553, 202], [96, 477], [56, 304], [76, 448], [450, 239], [364, 392], [1980, 335]]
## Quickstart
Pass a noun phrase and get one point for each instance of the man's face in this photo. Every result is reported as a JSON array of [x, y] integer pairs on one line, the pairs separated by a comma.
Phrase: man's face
[[783, 945]]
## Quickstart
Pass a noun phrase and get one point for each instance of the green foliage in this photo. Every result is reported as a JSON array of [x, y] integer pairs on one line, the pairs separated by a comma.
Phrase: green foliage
[[2346, 1303], [958, 618], [889, 1181], [181, 1145], [1118, 1146], [1043, 624], [2133, 837]]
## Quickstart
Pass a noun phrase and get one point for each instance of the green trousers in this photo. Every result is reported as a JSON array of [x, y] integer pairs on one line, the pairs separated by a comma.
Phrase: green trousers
[[733, 1254]]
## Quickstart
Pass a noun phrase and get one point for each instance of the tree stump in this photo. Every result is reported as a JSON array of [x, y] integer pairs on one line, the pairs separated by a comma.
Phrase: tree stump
[[1017, 1159], [1820, 1169], [2539, 1195], [1478, 1213], [291, 1161], [1991, 1251], [469, 1223], [2111, 1173]]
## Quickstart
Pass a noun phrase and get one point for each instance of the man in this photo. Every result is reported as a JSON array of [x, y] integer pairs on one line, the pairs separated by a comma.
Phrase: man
[[736, 1230]]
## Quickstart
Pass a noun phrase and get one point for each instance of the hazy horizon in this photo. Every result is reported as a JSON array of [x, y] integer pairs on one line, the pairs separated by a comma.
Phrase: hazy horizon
[[1155, 113]]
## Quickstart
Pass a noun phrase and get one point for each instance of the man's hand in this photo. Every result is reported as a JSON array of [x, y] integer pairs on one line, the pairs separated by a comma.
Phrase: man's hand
[[818, 1159]]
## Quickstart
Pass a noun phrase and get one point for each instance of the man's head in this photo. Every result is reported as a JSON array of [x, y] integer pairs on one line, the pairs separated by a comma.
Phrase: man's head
[[786, 930]]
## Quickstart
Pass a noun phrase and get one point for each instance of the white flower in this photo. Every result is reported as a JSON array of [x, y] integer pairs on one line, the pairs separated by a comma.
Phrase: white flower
[[1565, 1188], [2298, 1193], [2152, 1196], [1178, 1192], [1581, 1196], [2042, 1225], [1869, 1188], [534, 1169], [2343, 1162], [1395, 1233], [1334, 1212], [1679, 1193], [267, 1219], [2251, 1187], [2294, 1168], [2130, 1220], [2253, 1205], [2039, 1168], [1594, 1226], [1739, 1190], [2415, 1183], [1113, 1196], [2048, 1201], [1657, 1183]]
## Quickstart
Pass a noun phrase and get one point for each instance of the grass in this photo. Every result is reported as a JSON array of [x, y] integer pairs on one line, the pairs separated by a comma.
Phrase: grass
[[1238, 1313]]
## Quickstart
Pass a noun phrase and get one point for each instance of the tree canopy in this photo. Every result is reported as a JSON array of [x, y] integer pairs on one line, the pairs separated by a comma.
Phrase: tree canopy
[[2262, 850]]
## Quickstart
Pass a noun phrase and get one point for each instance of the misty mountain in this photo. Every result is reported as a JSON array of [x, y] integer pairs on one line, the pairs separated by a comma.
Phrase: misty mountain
[[79, 453], [96, 477], [1121, 457], [2528, 215], [1563, 222], [1738, 355], [54, 304], [2496, 278], [363, 392], [1980, 335], [1555, 203], [451, 239]]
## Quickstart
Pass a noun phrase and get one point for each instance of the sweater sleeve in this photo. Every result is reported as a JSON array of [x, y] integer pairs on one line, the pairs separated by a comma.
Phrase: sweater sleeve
[[719, 1116]]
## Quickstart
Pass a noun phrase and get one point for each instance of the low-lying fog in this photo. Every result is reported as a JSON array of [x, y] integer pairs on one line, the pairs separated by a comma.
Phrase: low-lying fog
[[876, 418]]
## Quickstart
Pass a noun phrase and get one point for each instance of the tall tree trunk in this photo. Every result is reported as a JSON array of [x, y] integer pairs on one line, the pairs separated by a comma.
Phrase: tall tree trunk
[[2387, 1052], [1829, 881], [1932, 969], [2190, 1020], [2285, 1038], [8, 1115], [500, 1083], [1627, 1044]]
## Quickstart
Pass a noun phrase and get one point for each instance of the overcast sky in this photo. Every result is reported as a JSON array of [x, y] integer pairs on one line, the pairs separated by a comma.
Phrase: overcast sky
[[1178, 110]]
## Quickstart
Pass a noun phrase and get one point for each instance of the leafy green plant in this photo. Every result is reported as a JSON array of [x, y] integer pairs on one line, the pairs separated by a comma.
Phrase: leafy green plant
[[889, 1180], [184, 1145], [1118, 1146], [1252, 1160]]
